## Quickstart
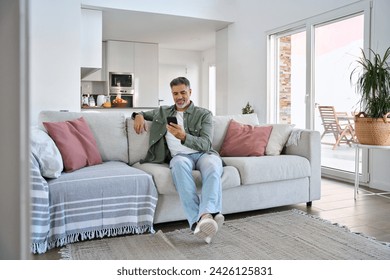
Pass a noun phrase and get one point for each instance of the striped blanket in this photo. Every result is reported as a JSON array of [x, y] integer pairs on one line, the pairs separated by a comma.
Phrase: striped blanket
[[108, 199]]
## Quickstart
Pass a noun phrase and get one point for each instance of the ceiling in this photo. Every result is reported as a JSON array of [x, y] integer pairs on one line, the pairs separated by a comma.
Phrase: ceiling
[[172, 32]]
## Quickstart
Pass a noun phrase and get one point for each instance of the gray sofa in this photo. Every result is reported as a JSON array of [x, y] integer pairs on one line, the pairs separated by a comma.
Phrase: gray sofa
[[248, 183]]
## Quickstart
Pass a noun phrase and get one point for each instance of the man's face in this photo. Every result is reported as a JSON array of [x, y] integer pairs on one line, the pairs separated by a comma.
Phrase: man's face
[[181, 96]]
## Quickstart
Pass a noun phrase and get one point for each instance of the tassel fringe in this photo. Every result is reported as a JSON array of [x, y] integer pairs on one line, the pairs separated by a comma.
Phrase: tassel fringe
[[42, 247]]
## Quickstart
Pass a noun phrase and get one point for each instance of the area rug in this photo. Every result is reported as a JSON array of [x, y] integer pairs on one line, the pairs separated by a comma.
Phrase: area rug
[[287, 235]]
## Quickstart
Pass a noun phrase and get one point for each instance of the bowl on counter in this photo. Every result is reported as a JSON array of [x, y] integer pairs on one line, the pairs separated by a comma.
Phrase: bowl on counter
[[119, 105]]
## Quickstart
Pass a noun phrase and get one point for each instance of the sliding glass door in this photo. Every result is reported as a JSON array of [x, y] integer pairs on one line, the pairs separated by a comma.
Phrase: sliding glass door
[[309, 65], [337, 45]]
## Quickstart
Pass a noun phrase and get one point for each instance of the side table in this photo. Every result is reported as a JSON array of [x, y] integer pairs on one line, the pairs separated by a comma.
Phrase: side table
[[357, 159]]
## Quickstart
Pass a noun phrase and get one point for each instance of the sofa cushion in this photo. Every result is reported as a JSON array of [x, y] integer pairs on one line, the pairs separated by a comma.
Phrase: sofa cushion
[[278, 138], [221, 124], [164, 183], [243, 140], [269, 168], [108, 128], [76, 143], [46, 153]]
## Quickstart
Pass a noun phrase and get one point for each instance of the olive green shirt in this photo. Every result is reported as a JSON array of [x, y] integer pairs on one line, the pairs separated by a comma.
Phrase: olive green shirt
[[198, 125]]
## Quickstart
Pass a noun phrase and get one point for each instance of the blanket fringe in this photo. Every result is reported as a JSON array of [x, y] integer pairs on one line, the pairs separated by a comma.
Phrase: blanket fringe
[[39, 248]]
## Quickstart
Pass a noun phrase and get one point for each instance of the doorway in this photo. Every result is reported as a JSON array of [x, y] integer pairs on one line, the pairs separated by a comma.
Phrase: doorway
[[309, 66]]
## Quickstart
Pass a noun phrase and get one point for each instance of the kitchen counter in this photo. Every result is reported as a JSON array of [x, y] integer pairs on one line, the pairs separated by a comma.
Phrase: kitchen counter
[[127, 111], [117, 108]]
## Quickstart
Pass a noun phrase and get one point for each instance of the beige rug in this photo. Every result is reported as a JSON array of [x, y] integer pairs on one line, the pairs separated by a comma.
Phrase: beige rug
[[287, 235]]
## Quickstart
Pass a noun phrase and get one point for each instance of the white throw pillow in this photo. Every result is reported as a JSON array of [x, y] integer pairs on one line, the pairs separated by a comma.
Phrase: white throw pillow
[[278, 138], [47, 153]]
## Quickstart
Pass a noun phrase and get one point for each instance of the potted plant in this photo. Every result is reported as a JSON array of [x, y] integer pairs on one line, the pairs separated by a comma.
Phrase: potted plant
[[372, 124], [248, 109]]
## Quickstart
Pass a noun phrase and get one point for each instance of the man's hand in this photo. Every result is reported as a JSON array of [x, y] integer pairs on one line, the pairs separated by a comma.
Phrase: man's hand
[[177, 131], [139, 124]]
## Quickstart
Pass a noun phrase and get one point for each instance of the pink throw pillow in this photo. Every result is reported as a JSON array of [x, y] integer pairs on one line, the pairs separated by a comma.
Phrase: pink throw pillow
[[245, 140], [76, 143]]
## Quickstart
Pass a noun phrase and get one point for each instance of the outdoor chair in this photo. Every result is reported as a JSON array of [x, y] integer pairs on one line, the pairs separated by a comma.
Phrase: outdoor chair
[[338, 124]]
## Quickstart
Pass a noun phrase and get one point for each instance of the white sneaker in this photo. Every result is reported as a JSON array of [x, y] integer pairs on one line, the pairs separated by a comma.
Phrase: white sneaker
[[206, 228], [219, 219]]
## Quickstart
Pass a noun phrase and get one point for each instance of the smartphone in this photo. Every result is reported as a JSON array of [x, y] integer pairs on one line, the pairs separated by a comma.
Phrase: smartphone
[[171, 120]]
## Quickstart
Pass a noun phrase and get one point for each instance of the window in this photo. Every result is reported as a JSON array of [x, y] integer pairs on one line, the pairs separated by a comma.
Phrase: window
[[212, 88]]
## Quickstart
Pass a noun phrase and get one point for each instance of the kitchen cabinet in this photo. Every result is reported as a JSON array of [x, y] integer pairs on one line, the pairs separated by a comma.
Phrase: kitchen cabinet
[[101, 74], [120, 56], [146, 74], [141, 59], [91, 41]]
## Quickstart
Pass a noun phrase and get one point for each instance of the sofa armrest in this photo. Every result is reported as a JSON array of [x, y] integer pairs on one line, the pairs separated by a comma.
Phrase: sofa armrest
[[309, 146]]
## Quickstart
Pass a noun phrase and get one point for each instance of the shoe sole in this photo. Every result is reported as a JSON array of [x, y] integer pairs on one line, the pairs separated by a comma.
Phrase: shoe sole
[[219, 219], [206, 229]]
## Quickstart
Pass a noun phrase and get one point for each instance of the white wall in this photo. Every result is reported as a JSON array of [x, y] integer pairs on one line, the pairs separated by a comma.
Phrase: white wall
[[191, 60], [14, 160], [54, 56], [380, 40]]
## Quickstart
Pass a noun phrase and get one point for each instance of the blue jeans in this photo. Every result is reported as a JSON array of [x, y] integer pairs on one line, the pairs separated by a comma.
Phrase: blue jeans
[[210, 167]]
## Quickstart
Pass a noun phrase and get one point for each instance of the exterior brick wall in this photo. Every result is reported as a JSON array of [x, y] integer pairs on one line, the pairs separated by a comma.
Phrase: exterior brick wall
[[285, 80]]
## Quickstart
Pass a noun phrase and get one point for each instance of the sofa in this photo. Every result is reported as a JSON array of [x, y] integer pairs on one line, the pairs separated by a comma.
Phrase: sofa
[[288, 173]]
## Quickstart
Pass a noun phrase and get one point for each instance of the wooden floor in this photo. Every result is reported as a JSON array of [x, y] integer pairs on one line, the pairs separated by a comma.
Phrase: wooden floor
[[369, 215]]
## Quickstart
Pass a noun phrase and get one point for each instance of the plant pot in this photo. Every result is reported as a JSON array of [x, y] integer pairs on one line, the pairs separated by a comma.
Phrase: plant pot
[[372, 131]]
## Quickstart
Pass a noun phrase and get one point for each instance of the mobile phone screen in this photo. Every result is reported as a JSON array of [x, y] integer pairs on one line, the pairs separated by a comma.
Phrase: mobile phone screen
[[171, 120]]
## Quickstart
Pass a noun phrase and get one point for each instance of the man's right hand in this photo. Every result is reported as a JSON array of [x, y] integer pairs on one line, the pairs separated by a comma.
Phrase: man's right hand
[[139, 124]]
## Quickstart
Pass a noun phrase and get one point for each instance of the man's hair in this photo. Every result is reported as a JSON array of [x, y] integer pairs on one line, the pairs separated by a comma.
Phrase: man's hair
[[180, 81]]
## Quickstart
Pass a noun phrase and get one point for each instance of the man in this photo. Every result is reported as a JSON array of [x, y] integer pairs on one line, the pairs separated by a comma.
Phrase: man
[[187, 146]]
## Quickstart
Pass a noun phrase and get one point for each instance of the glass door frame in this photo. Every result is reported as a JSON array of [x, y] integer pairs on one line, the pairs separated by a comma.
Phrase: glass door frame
[[309, 25]]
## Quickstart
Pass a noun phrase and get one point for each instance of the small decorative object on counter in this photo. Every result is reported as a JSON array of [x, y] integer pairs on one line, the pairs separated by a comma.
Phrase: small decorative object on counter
[[85, 101], [119, 102], [100, 100], [107, 103], [92, 101]]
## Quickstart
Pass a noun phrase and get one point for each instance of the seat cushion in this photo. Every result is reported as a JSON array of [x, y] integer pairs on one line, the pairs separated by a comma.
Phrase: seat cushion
[[108, 199], [269, 168], [164, 183]]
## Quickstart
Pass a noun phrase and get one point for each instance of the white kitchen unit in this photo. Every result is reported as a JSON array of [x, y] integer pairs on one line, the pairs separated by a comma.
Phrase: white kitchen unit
[[146, 75], [91, 41], [141, 59], [101, 74], [120, 56]]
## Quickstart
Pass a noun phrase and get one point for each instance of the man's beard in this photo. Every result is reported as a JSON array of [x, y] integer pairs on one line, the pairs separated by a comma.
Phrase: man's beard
[[182, 106]]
